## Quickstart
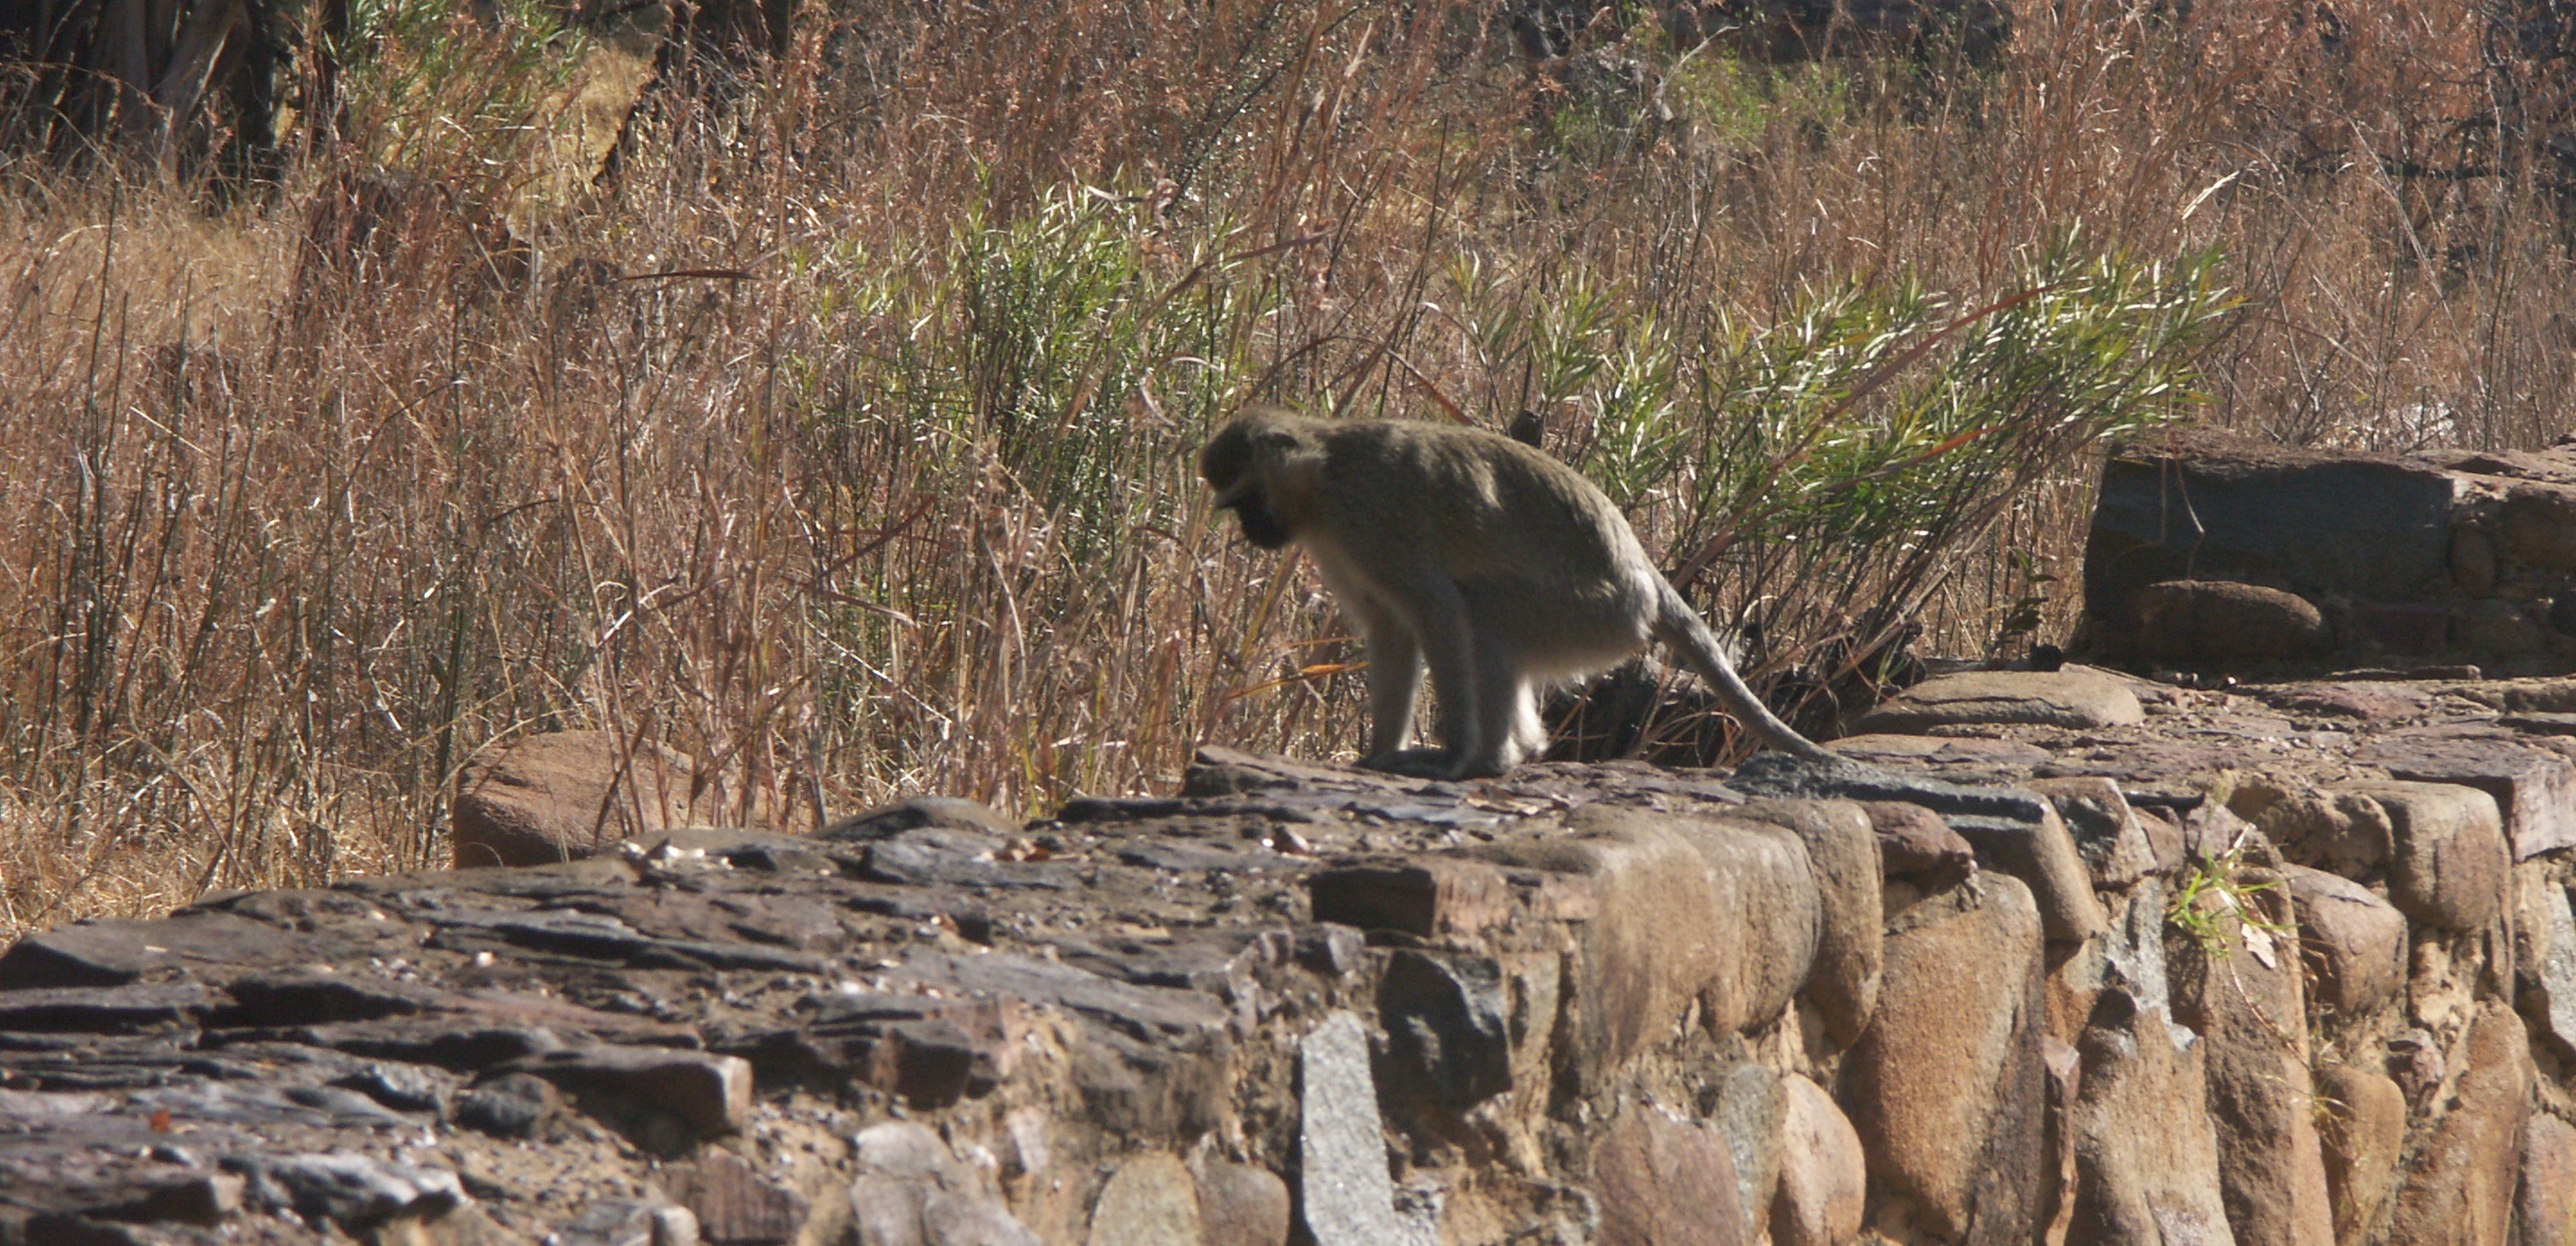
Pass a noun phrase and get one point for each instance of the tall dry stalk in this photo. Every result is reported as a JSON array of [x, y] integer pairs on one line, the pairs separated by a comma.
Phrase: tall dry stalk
[[883, 486]]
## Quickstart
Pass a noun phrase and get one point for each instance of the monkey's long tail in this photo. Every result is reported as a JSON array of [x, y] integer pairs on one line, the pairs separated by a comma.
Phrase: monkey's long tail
[[1681, 628]]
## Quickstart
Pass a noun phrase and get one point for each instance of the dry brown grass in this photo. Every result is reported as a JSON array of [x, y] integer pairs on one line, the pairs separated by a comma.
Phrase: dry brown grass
[[294, 527]]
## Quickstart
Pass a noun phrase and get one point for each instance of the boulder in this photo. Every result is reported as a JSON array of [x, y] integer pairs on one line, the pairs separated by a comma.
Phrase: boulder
[[563, 796], [2339, 831], [2473, 561], [1240, 1205], [2016, 832], [2146, 1156], [1771, 922], [1746, 1112], [1916, 845], [2545, 1206], [2539, 525], [1424, 896], [1724, 914], [2354, 942], [2534, 788], [1844, 857], [2460, 1175], [2544, 931], [2246, 1005], [2448, 864], [2075, 697], [1947, 1088], [733, 1202], [1896, 749], [2221, 621], [2361, 1128], [2361, 702], [2042, 854], [1448, 1025], [2490, 627], [1662, 1182], [912, 1188], [1150, 1201], [918, 813], [1824, 1178], [2105, 831]]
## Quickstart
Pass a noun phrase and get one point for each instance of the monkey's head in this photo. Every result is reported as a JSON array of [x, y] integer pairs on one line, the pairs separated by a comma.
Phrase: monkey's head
[[1259, 466]]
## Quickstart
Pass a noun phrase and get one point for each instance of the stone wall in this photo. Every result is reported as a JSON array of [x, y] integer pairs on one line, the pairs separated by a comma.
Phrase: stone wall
[[2074, 959]]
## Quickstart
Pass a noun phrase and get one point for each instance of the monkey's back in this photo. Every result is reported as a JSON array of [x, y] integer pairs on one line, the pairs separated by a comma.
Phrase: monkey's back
[[1540, 546]]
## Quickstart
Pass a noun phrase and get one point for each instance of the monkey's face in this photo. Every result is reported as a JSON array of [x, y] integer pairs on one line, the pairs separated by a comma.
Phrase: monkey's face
[[1259, 526], [1245, 462]]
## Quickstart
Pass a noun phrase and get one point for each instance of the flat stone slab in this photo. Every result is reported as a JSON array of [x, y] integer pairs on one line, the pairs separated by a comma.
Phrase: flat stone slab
[[2074, 697]]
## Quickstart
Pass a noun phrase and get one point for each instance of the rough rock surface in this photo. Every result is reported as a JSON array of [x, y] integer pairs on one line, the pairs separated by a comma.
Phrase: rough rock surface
[[2354, 941], [1958, 1007], [2460, 1176], [1824, 1174], [2146, 1152]]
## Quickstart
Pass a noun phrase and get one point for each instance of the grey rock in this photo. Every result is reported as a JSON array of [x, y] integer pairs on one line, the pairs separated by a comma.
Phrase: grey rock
[[917, 812], [513, 1105], [1347, 1197], [346, 1188], [2133, 953], [105, 1009], [1747, 1110], [2147, 1167], [1448, 1025], [113, 953], [2545, 936]]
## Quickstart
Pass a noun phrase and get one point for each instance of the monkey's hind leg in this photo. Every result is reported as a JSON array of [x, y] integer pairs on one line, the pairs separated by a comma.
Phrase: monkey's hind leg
[[1501, 720]]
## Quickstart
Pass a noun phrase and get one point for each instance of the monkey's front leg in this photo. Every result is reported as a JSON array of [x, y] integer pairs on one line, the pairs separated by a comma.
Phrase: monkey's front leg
[[1394, 685]]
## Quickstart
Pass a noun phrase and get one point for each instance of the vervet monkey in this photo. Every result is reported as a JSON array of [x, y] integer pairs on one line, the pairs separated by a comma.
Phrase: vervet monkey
[[1503, 567]]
